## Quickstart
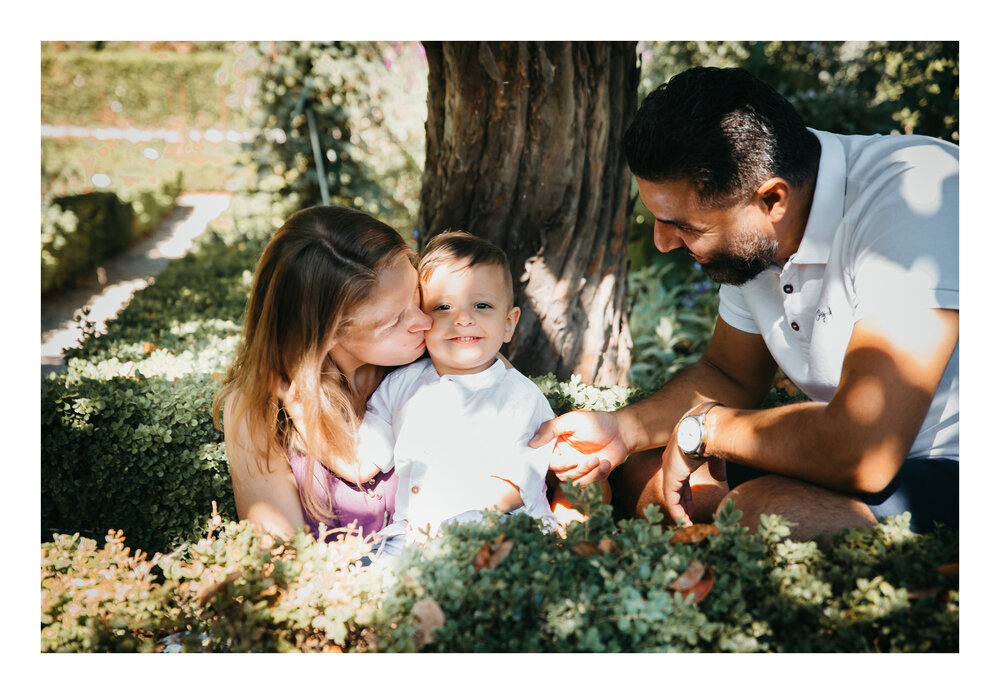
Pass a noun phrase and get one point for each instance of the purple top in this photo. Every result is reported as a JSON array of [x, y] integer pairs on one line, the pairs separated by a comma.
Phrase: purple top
[[371, 505]]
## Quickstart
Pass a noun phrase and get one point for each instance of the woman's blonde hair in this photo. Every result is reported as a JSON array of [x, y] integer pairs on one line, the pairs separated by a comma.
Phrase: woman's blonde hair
[[317, 270]]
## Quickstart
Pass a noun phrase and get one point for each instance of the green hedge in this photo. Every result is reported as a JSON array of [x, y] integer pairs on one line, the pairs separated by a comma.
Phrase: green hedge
[[141, 88], [127, 437], [79, 231], [499, 586]]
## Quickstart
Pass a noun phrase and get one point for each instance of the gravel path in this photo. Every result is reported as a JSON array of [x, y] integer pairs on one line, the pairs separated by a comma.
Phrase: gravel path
[[111, 287]]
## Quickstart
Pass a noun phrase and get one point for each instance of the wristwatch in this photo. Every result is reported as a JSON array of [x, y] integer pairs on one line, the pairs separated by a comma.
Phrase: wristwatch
[[691, 431]]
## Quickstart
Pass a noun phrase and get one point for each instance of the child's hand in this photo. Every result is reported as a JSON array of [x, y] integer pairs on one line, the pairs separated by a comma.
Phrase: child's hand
[[509, 495]]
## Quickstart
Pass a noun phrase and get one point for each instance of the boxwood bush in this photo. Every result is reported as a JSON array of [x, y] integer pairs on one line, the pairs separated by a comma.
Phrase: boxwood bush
[[79, 231], [504, 586]]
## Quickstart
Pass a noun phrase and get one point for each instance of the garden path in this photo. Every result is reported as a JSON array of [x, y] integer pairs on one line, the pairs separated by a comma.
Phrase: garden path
[[112, 286]]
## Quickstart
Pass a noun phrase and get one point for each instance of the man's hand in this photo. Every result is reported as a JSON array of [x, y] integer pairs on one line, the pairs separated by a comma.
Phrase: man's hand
[[588, 445], [677, 469]]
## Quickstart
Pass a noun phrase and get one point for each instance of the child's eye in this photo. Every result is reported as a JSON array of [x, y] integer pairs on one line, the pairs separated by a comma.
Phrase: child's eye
[[482, 306], [442, 307]]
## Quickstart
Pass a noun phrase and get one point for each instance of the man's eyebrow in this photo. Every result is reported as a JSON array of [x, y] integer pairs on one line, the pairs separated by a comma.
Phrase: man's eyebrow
[[678, 223]]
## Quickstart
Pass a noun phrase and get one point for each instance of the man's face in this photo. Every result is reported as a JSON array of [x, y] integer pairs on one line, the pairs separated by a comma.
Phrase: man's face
[[472, 316], [732, 244]]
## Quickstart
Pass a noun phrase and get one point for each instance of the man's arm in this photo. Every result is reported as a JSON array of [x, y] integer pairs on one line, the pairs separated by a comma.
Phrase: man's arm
[[736, 369], [858, 441]]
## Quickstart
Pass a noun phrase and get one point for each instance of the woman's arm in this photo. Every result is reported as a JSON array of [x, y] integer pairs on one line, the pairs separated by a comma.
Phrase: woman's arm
[[267, 498]]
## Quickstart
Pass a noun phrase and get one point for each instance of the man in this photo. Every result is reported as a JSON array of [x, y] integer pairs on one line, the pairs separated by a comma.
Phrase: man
[[838, 258]]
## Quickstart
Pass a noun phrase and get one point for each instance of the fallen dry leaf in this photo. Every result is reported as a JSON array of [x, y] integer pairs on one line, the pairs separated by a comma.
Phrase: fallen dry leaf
[[490, 556], [149, 347], [608, 545], [692, 534], [696, 580], [585, 548], [948, 569], [428, 616]]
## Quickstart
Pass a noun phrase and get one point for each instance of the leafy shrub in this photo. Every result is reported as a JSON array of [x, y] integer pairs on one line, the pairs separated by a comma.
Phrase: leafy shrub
[[127, 434], [673, 312], [79, 231], [97, 600], [503, 586], [369, 103], [140, 454]]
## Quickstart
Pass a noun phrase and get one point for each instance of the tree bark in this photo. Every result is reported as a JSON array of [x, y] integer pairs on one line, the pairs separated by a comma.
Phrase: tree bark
[[524, 149]]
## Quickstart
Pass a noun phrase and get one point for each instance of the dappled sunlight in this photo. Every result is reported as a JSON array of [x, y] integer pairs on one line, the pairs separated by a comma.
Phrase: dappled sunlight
[[205, 207], [925, 196]]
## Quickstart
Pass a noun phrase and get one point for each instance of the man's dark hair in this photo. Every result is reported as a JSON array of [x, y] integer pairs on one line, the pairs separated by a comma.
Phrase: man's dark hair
[[723, 130]]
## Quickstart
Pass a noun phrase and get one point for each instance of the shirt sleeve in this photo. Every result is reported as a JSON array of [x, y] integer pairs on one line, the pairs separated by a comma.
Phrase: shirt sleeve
[[376, 440], [733, 309], [905, 254], [533, 462]]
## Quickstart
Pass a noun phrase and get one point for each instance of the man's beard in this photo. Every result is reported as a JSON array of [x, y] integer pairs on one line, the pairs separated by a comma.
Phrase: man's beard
[[751, 254]]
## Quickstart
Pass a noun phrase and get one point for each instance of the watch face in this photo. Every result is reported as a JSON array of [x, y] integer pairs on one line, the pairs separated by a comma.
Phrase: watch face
[[689, 434]]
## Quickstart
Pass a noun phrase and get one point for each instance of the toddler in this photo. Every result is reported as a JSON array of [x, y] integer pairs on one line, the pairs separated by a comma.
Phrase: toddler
[[456, 425]]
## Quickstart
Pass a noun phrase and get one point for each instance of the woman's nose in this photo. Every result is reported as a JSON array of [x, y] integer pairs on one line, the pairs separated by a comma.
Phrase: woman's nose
[[419, 321], [664, 238]]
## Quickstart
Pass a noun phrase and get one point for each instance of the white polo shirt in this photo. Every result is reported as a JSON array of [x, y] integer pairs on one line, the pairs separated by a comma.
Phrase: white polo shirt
[[447, 435], [882, 236]]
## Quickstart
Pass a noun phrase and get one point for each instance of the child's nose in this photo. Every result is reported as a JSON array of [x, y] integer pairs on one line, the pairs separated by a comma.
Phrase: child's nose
[[463, 317]]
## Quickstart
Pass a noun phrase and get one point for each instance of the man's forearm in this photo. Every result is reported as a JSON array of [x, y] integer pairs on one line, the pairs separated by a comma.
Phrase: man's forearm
[[807, 442], [650, 423]]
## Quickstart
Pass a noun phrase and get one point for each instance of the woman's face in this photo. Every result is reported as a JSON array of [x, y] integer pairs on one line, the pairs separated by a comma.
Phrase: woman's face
[[389, 329]]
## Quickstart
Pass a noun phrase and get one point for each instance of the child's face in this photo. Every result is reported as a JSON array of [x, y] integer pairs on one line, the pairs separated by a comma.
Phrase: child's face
[[471, 315]]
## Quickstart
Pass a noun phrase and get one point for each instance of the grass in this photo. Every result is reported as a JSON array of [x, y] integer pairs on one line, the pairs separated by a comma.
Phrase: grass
[[71, 165]]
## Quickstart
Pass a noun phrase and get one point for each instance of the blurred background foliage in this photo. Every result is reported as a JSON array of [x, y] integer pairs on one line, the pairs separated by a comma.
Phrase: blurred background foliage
[[228, 116]]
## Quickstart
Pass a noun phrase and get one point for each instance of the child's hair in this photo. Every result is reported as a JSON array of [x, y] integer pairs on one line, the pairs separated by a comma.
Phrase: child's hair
[[456, 246]]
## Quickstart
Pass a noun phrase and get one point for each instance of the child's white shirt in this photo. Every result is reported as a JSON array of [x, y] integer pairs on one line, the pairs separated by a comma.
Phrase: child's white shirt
[[447, 435]]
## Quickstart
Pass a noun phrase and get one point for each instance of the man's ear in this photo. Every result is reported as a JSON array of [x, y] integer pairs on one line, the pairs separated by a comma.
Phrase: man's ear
[[513, 316], [773, 194]]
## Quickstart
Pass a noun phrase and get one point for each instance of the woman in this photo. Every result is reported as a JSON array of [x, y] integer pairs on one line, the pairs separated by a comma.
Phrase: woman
[[335, 301]]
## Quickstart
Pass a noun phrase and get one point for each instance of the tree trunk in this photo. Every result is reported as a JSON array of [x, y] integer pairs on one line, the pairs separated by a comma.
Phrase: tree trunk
[[524, 149]]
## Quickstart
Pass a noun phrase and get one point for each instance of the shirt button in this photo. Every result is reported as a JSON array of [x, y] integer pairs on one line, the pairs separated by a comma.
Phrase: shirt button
[[378, 497], [795, 326], [787, 289], [415, 489]]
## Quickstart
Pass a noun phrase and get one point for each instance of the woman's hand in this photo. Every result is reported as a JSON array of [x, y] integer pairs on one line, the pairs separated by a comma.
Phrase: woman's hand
[[588, 445]]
